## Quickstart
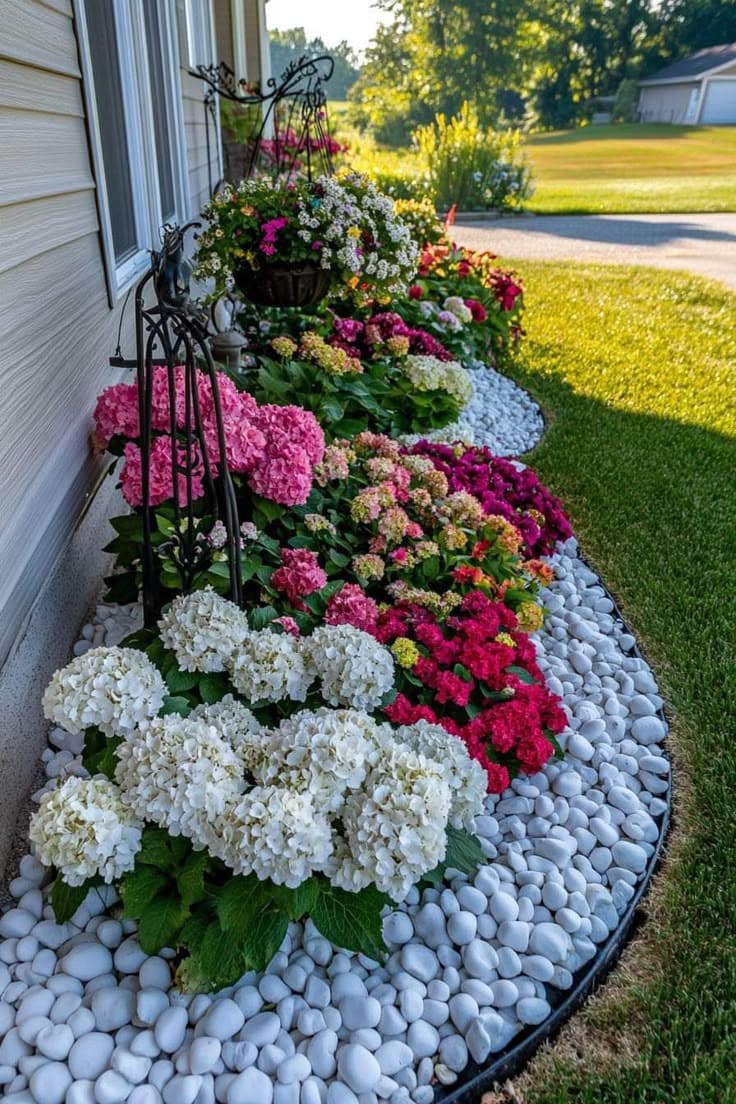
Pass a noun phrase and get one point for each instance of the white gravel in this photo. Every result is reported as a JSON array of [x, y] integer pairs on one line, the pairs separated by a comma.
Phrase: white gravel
[[501, 415], [86, 1016]]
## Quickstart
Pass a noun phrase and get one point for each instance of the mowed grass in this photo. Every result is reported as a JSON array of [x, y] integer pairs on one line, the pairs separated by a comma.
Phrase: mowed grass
[[634, 168], [636, 371]]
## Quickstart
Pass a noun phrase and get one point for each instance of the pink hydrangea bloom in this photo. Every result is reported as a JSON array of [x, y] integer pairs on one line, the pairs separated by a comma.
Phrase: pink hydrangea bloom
[[352, 606], [288, 624], [285, 477], [296, 425], [299, 575], [116, 413], [161, 484]]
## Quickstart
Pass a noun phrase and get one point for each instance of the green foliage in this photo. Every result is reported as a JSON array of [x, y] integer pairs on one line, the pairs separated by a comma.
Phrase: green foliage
[[471, 166], [351, 920], [291, 45], [626, 102], [381, 399], [66, 899]]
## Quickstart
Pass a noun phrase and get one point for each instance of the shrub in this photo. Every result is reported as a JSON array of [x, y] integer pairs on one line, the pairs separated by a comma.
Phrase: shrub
[[626, 103], [472, 167]]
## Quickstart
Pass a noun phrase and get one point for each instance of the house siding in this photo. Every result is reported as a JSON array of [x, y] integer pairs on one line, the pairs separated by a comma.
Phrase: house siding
[[57, 331]]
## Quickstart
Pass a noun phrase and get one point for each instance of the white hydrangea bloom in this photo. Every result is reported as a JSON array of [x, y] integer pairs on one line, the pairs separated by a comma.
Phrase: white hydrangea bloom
[[240, 729], [179, 773], [275, 833], [395, 826], [465, 776], [113, 689], [271, 667], [342, 869], [322, 752], [428, 373], [457, 307], [203, 629], [84, 830], [355, 670]]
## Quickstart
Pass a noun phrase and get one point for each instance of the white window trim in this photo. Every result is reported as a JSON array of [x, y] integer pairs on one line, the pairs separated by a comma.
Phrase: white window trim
[[134, 62]]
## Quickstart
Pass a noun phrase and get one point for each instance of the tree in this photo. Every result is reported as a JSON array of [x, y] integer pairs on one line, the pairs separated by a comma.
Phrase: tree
[[290, 45]]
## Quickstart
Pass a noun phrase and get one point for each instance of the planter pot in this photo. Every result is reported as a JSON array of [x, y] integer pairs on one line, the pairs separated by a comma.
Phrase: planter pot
[[283, 285]]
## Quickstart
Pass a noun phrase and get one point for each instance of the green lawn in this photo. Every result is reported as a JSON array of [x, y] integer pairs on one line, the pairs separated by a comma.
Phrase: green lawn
[[636, 371], [625, 169]]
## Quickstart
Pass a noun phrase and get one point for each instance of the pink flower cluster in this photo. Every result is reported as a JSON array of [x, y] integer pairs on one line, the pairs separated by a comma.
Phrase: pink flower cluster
[[299, 575], [382, 331], [502, 489], [161, 483], [275, 447], [352, 606], [270, 229]]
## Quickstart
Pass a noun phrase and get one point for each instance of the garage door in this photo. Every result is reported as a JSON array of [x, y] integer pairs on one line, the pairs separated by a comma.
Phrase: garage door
[[720, 102]]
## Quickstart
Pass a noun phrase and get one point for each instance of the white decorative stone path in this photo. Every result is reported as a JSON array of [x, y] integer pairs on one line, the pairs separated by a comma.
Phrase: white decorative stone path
[[87, 1018]]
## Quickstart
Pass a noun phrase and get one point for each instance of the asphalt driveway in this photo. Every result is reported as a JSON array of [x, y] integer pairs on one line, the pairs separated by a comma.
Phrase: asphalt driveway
[[704, 244]]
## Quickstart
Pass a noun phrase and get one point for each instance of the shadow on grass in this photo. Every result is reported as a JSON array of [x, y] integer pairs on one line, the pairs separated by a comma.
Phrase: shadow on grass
[[652, 501]]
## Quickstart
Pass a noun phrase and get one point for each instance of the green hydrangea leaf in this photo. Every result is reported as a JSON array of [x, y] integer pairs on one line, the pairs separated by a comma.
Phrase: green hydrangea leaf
[[161, 924], [464, 852], [264, 935], [351, 920], [66, 899], [190, 879], [240, 900], [139, 888]]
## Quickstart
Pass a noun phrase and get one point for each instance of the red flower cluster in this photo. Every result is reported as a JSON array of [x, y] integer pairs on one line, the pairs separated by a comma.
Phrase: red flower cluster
[[477, 676], [299, 575]]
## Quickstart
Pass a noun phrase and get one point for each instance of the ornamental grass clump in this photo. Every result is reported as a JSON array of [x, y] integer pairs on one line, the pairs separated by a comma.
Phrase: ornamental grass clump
[[260, 789]]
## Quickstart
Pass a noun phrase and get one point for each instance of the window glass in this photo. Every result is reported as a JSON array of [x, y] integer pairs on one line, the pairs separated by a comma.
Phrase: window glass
[[103, 47], [200, 32], [158, 75]]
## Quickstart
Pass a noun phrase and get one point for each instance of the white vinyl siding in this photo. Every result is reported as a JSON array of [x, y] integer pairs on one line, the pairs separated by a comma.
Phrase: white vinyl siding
[[57, 329]]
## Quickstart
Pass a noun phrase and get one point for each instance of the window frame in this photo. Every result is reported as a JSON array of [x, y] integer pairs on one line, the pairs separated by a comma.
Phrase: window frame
[[194, 61], [134, 57]]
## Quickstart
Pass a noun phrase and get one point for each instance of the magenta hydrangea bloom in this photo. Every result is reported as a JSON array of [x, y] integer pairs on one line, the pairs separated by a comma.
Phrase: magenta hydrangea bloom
[[518, 496]]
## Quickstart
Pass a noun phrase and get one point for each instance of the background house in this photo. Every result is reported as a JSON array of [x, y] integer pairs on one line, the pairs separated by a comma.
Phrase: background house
[[699, 89], [103, 137]]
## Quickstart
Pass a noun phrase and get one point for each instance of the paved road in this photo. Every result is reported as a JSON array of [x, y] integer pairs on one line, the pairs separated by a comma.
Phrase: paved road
[[704, 244]]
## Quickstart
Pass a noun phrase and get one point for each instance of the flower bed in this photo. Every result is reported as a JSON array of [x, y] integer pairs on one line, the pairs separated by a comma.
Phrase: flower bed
[[385, 779]]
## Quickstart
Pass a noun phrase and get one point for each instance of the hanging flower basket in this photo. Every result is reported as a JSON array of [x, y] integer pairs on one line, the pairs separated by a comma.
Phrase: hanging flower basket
[[289, 284]]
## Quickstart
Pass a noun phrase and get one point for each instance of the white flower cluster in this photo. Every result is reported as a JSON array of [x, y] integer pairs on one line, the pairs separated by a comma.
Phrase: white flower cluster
[[203, 629], [329, 791], [361, 231], [210, 633], [83, 828], [270, 667], [466, 777], [113, 689], [354, 669], [427, 373], [455, 305], [180, 773], [395, 825]]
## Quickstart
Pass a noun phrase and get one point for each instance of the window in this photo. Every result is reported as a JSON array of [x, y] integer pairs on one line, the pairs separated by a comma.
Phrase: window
[[199, 33], [131, 69]]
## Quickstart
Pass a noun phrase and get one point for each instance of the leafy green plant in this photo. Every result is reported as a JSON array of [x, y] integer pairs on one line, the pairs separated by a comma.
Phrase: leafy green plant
[[473, 167]]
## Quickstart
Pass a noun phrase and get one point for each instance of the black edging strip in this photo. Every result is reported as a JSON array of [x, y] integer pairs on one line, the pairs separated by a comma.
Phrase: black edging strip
[[511, 1061]]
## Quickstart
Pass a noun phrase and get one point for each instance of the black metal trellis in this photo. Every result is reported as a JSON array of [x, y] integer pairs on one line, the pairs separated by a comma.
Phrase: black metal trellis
[[291, 132], [172, 334]]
